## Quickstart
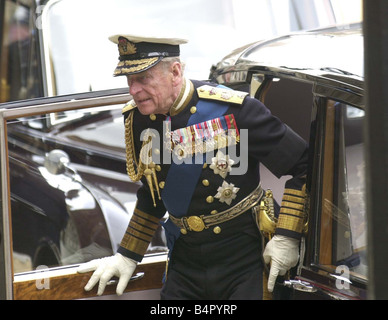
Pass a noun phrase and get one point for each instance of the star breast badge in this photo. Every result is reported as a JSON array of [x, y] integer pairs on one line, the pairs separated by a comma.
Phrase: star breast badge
[[227, 192], [221, 164]]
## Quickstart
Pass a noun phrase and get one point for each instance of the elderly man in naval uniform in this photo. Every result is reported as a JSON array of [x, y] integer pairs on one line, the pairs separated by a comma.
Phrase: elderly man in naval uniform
[[196, 147]]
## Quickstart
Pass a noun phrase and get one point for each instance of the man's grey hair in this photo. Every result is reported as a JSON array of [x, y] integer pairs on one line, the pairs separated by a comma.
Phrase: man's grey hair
[[166, 62]]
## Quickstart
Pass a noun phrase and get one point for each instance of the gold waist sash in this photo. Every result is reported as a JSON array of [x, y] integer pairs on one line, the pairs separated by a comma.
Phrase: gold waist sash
[[201, 222]]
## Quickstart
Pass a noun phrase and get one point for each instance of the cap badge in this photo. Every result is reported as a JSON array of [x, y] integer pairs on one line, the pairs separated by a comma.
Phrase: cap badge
[[126, 47]]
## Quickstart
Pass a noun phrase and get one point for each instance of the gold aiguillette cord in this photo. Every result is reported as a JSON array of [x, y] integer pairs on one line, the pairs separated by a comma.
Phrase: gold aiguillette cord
[[150, 174], [148, 170]]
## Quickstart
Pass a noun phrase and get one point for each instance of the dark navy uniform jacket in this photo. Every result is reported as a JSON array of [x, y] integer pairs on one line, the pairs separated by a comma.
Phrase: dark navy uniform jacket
[[191, 189]]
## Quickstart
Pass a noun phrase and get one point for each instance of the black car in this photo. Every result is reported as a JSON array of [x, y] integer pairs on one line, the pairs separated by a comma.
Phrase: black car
[[314, 81], [67, 197]]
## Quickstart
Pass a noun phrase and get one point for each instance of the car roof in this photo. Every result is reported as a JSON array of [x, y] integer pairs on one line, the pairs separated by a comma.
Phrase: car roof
[[332, 54]]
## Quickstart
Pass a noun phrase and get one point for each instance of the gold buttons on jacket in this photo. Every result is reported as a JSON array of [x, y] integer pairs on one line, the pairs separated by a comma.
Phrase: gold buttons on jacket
[[205, 182], [152, 117], [217, 230], [214, 212], [183, 231], [209, 199], [161, 184], [193, 109]]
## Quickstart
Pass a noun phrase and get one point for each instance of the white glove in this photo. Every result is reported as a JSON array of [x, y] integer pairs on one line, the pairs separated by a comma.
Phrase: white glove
[[105, 268], [282, 253]]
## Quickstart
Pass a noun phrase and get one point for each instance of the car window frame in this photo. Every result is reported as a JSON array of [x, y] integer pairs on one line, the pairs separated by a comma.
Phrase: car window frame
[[65, 282], [313, 269]]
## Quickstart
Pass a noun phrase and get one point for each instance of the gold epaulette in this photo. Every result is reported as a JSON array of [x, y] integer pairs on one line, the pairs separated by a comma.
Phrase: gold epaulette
[[129, 106], [221, 94]]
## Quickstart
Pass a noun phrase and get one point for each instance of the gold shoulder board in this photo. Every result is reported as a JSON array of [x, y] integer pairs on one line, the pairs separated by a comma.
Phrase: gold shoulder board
[[129, 106], [221, 94]]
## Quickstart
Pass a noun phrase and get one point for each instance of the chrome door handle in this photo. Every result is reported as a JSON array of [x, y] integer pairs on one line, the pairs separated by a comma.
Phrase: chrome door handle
[[137, 276], [300, 285]]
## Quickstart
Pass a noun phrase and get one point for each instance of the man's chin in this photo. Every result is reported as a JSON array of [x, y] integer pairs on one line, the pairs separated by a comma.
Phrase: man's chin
[[145, 109]]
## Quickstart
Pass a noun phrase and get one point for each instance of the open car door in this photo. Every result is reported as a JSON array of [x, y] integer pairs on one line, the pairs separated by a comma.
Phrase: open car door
[[66, 198]]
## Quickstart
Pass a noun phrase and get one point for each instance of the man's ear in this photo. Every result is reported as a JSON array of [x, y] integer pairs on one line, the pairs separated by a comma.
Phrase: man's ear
[[176, 70]]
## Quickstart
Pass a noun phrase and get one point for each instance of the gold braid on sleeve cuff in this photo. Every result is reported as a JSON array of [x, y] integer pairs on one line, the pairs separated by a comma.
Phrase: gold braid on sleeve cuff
[[139, 233], [292, 216]]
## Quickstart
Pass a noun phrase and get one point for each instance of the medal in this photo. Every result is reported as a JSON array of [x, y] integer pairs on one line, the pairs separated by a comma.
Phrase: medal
[[202, 137]]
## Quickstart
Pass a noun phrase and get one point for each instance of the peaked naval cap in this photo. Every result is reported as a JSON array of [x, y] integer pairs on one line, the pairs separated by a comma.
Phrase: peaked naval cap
[[138, 54]]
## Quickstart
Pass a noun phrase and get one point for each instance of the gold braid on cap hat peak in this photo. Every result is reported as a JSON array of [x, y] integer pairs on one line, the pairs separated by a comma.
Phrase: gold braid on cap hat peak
[[147, 169]]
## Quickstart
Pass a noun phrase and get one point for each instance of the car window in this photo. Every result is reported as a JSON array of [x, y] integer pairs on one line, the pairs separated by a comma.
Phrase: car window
[[290, 100], [343, 225], [71, 198]]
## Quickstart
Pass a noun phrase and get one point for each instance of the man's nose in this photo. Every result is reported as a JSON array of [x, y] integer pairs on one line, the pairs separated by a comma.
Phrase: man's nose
[[134, 88]]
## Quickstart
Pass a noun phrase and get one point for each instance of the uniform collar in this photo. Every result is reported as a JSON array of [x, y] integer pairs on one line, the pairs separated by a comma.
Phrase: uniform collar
[[183, 98]]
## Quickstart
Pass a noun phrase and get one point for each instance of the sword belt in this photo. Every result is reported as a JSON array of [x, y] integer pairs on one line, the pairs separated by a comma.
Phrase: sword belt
[[199, 223]]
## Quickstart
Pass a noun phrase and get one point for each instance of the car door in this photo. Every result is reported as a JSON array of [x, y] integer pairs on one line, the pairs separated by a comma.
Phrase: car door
[[335, 265], [330, 115], [57, 213]]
